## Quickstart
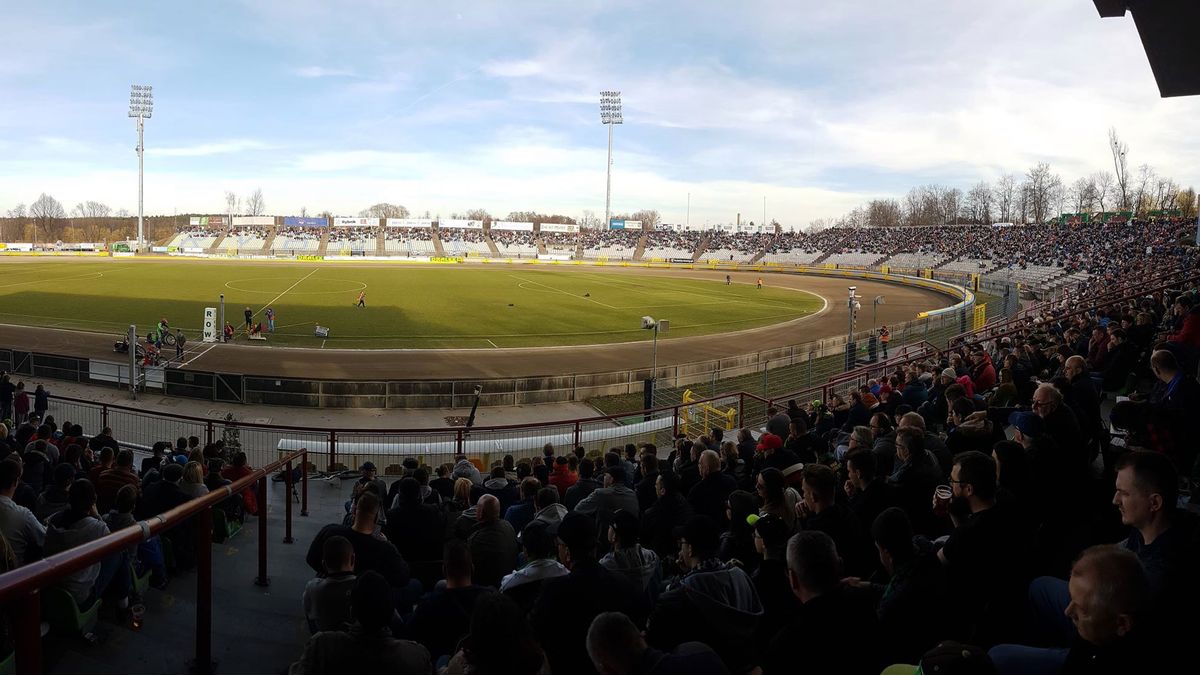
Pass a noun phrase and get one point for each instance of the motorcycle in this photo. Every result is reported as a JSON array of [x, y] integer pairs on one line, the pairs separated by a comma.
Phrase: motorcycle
[[122, 347]]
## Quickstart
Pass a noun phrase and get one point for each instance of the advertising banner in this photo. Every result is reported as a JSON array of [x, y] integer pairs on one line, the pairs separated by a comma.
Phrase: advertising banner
[[512, 225], [633, 224], [207, 221], [409, 222], [461, 224], [253, 220], [559, 227], [25, 247], [616, 224], [304, 221], [355, 222], [210, 324]]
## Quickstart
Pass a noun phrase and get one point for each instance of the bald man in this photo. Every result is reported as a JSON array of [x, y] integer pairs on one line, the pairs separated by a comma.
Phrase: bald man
[[493, 543], [1085, 400], [708, 497], [1059, 423]]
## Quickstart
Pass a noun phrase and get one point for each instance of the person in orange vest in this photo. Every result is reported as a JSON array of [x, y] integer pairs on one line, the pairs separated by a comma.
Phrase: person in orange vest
[[760, 283], [884, 337]]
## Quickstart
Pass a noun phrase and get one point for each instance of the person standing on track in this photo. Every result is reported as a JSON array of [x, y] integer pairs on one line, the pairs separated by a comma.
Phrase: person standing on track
[[760, 283], [249, 319], [271, 319], [728, 281], [362, 299], [180, 340]]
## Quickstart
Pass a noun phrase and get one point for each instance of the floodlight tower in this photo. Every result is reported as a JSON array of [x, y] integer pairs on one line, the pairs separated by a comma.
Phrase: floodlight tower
[[610, 114], [141, 107]]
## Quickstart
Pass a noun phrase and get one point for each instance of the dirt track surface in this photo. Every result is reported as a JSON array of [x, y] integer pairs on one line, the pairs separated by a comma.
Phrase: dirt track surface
[[902, 304]]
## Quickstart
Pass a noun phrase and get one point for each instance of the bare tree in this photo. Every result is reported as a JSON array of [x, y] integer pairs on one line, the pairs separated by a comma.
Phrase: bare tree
[[91, 209], [384, 210], [17, 211], [1081, 195], [303, 211], [46, 212], [979, 203], [883, 213], [255, 206], [649, 217], [231, 202], [1042, 186], [1121, 165], [1142, 190], [1005, 194], [123, 213], [1102, 183]]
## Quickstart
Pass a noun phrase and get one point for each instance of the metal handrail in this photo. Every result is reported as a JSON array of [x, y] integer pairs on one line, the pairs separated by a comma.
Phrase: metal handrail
[[19, 588]]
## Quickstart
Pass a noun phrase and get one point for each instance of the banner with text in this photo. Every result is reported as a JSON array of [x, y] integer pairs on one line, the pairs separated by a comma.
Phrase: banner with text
[[355, 222], [461, 224], [409, 222], [210, 324], [559, 227], [207, 221], [253, 220], [304, 221], [512, 225]]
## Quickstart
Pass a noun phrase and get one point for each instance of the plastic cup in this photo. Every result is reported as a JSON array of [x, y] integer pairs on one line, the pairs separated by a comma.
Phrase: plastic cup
[[941, 498], [139, 613]]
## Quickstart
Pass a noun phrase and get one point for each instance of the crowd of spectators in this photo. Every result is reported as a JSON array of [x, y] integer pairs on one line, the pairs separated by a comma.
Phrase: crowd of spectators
[[560, 238], [408, 234], [463, 235], [595, 239], [988, 506], [60, 488], [351, 235], [672, 243]]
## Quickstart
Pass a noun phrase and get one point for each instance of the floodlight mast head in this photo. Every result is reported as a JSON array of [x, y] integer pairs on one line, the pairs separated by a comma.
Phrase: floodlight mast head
[[141, 101], [610, 107]]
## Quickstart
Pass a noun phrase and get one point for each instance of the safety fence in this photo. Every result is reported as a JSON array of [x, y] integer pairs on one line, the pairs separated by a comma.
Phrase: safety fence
[[21, 589]]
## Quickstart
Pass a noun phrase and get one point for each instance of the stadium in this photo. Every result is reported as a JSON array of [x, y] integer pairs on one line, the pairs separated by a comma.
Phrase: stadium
[[949, 430]]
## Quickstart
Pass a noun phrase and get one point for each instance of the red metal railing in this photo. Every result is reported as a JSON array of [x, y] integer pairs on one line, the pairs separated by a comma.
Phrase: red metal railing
[[20, 589]]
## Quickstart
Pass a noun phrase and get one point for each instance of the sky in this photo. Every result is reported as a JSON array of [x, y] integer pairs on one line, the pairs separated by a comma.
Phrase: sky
[[460, 104]]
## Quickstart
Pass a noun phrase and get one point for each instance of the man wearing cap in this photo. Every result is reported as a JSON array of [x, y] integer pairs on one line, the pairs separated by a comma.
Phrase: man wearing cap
[[565, 609], [368, 646], [712, 602], [606, 501], [771, 535], [628, 558], [370, 476], [538, 542], [774, 455], [493, 543]]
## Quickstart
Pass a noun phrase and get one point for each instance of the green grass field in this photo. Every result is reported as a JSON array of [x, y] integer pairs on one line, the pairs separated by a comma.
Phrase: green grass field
[[407, 307]]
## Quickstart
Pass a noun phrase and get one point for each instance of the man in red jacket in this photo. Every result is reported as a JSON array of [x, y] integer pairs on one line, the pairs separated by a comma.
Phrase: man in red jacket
[[983, 373], [1189, 334], [561, 477]]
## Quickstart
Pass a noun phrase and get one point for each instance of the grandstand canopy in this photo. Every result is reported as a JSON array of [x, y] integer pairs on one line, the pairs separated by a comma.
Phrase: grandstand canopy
[[1167, 29]]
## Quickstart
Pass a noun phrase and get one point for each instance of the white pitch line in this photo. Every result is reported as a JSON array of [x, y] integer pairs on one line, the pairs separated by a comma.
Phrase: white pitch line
[[197, 356], [285, 292], [493, 344], [559, 290]]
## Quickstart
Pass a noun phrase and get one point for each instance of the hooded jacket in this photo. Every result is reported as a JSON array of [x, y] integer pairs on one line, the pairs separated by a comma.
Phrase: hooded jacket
[[552, 515], [65, 531], [715, 604], [639, 565], [465, 469], [975, 433]]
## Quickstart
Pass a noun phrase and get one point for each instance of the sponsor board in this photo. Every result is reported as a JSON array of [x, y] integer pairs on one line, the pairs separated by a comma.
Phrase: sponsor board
[[207, 221], [511, 225], [355, 222], [17, 247], [310, 257], [304, 221], [559, 227], [253, 220], [461, 224], [409, 222], [160, 249], [445, 259], [555, 258]]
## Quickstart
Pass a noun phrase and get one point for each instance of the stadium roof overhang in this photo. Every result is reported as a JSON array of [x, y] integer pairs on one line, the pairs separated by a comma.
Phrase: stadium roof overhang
[[1168, 30]]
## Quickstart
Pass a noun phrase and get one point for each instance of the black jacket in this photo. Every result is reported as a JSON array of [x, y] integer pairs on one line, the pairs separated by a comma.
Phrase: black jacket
[[564, 612], [659, 523], [370, 553], [867, 504], [708, 496], [647, 491], [416, 530], [842, 622], [443, 617], [493, 551], [577, 492]]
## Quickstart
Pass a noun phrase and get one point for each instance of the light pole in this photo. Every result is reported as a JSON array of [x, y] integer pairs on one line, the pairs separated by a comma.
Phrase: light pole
[[610, 114], [852, 306], [660, 326], [141, 107], [874, 310]]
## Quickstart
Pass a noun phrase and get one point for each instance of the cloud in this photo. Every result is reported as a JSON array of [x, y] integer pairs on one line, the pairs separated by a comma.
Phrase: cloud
[[322, 71], [207, 149]]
